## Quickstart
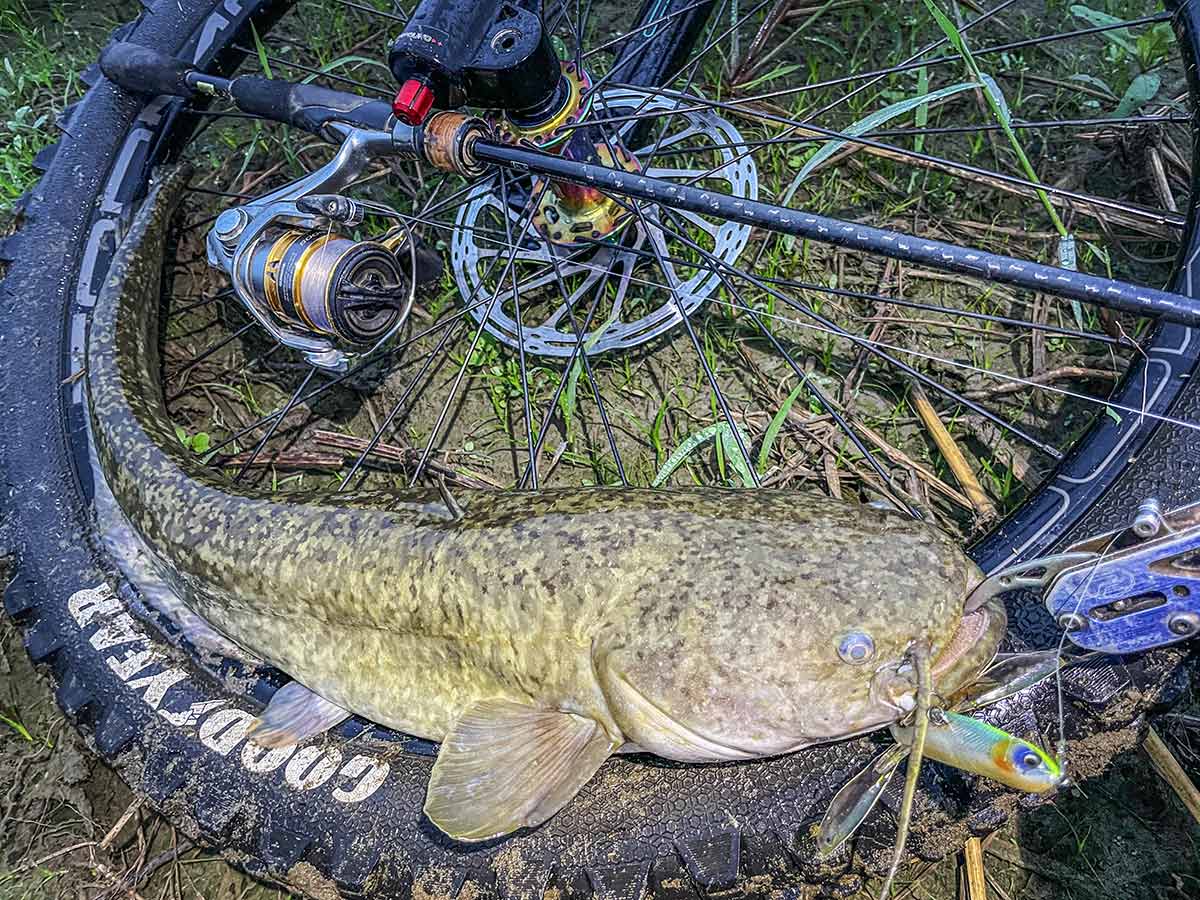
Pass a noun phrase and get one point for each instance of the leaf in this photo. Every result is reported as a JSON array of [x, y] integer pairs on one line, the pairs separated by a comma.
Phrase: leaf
[[777, 72], [1094, 82], [344, 61], [921, 118], [656, 428], [948, 28], [999, 104], [1141, 90], [764, 452], [1068, 258], [879, 117], [1098, 19], [567, 400], [736, 458], [182, 435], [262, 52], [17, 727], [200, 442], [999, 107], [684, 450]]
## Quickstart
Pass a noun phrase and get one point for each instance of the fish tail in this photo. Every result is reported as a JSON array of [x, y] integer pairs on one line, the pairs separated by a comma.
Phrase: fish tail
[[920, 655]]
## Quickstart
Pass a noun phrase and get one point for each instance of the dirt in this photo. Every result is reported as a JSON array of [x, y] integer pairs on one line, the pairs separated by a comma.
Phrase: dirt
[[70, 828]]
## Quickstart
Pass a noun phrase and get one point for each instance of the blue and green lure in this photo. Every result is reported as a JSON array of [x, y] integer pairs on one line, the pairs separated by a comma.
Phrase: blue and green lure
[[957, 740]]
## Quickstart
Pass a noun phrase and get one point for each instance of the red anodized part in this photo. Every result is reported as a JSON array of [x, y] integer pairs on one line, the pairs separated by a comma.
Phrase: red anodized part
[[413, 102]]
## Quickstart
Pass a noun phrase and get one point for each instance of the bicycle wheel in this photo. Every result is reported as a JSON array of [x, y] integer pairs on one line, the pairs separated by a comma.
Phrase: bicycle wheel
[[622, 309]]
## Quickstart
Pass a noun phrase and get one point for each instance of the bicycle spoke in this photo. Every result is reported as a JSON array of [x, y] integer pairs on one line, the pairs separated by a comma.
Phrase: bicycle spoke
[[462, 370], [209, 351], [818, 315], [576, 352], [270, 433], [883, 347], [1156, 217], [902, 366], [225, 294], [310, 70], [528, 415], [734, 428], [825, 403], [370, 10], [581, 355], [796, 141]]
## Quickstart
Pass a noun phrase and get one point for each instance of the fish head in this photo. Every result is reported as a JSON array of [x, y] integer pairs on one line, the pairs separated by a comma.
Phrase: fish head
[[806, 644]]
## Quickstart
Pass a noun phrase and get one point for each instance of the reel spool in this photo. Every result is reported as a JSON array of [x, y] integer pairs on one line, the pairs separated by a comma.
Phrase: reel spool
[[323, 282]]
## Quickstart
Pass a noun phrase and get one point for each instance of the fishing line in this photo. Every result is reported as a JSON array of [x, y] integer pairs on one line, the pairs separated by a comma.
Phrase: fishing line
[[1061, 747], [1060, 750], [920, 656]]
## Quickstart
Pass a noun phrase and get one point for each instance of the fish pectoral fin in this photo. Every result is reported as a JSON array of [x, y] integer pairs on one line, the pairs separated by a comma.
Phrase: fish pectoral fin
[[507, 766], [295, 714]]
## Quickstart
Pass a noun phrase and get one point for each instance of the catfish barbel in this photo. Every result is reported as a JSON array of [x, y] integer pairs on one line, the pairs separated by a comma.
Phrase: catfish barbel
[[535, 634]]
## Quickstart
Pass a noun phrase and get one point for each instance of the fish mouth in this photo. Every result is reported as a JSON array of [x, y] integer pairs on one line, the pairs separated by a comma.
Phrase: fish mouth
[[971, 648]]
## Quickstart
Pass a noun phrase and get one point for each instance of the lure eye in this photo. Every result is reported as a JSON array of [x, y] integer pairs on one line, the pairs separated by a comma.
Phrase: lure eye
[[1025, 758]]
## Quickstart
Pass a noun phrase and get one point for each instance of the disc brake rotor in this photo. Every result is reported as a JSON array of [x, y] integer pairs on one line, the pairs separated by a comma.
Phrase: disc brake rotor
[[646, 291]]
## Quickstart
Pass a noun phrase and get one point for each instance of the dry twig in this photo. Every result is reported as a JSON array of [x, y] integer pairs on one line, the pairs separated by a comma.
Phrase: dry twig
[[950, 451]]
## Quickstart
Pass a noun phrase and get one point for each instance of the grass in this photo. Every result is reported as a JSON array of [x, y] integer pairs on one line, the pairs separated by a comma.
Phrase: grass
[[45, 48], [663, 411]]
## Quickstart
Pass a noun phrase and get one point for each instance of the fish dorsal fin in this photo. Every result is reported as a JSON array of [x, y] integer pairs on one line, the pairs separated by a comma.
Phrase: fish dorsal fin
[[295, 714], [507, 766]]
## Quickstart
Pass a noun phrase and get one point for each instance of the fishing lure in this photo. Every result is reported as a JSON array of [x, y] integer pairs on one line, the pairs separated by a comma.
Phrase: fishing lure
[[956, 739]]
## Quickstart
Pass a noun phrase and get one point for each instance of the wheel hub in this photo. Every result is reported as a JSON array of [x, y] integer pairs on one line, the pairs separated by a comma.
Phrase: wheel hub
[[568, 213], [620, 293], [548, 134]]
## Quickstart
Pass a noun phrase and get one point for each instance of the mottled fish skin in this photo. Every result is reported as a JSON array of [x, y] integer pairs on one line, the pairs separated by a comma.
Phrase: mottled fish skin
[[699, 624]]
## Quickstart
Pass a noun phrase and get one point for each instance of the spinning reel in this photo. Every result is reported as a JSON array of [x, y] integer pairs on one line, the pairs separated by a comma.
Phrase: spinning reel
[[297, 268]]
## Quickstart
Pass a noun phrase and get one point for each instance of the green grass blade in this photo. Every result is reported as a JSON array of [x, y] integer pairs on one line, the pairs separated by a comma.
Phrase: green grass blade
[[764, 452], [17, 727], [998, 105], [567, 400], [262, 52], [866, 123], [953, 35], [921, 118], [684, 450], [777, 72], [346, 61], [734, 453]]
